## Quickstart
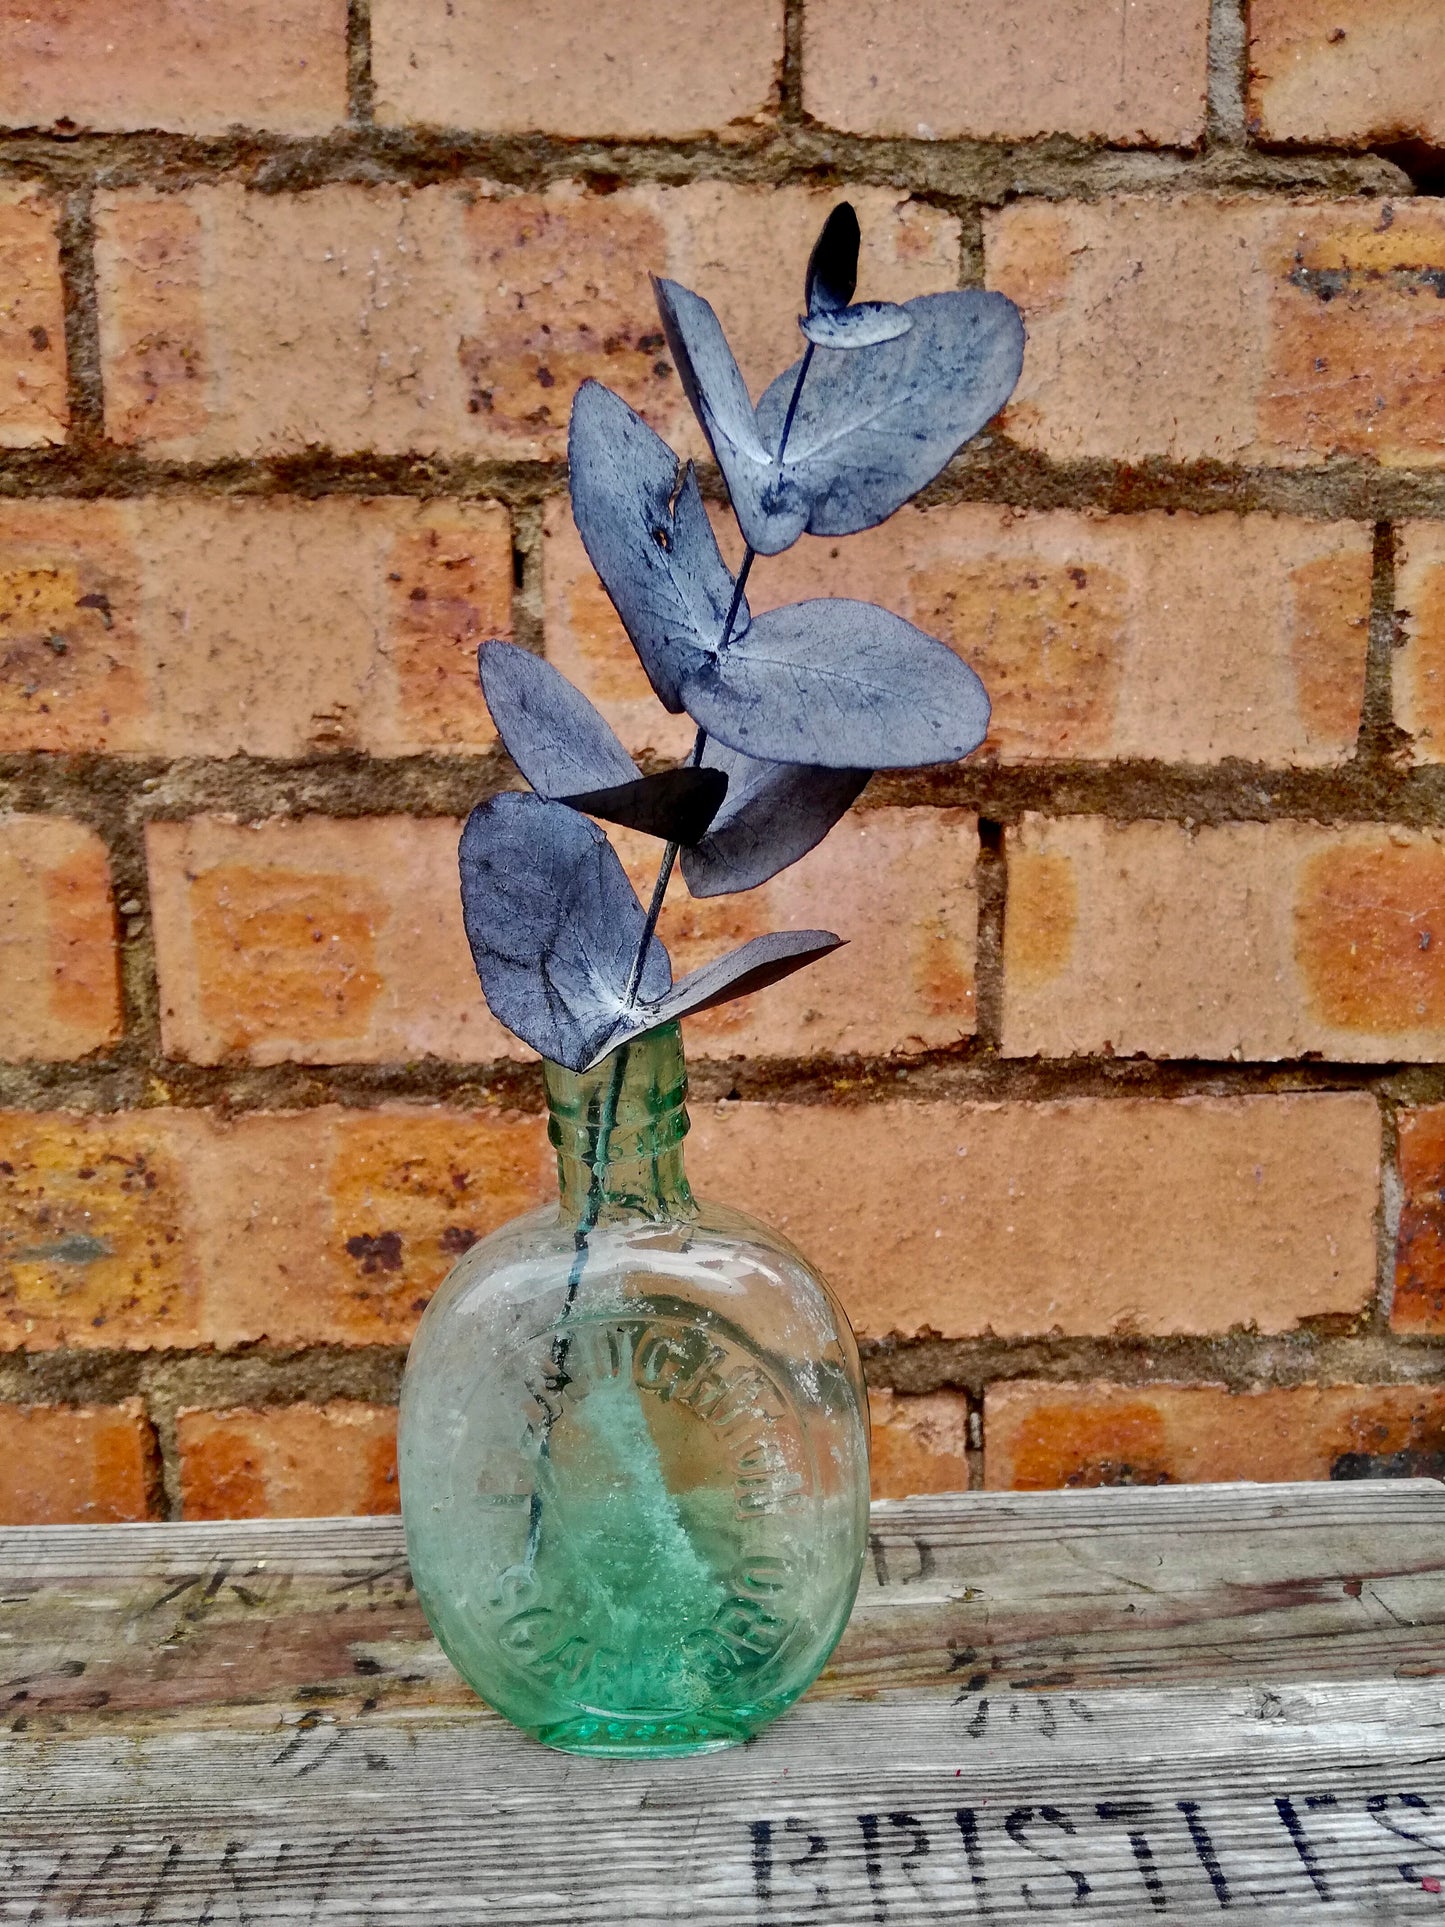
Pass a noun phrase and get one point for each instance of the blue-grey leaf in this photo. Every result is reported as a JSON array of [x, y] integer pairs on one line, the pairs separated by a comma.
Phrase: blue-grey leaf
[[648, 539], [863, 325], [774, 814], [752, 967], [554, 926], [833, 265], [676, 804], [550, 730], [772, 510], [842, 685], [875, 425]]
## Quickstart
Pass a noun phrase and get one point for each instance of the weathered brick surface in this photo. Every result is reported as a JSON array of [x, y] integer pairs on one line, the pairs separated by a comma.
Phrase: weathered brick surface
[[1167, 636], [920, 1443], [66, 1465], [33, 405], [1127, 71], [1418, 677], [177, 1228], [897, 884], [1249, 940], [1042, 1435], [292, 941], [633, 69], [1347, 72], [288, 1461], [449, 319], [206, 626], [192, 66], [1419, 1295], [335, 1227], [100, 1245], [1230, 328], [61, 995], [1087, 1217], [318, 940]]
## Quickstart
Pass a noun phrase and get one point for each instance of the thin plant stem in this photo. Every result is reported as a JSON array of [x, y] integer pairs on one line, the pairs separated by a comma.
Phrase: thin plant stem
[[597, 1187]]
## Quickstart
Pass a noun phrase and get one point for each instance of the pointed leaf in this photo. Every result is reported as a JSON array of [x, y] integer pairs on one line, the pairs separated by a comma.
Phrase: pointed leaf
[[833, 265], [552, 733], [658, 557], [873, 425], [774, 814], [676, 804], [863, 325], [752, 967], [771, 510], [876, 425], [554, 926], [841, 685]]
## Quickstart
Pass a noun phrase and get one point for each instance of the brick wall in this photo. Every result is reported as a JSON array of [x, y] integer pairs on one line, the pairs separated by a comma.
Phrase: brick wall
[[1121, 1122]]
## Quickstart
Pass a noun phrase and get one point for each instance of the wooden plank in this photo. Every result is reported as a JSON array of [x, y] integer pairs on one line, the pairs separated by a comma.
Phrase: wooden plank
[[982, 1592], [1130, 1705], [1177, 1804]]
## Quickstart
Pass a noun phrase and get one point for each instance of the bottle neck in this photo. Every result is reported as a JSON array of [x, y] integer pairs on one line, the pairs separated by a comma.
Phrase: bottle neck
[[618, 1132]]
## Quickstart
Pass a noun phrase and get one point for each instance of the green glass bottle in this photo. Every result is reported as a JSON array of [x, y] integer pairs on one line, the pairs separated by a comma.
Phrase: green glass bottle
[[634, 1444]]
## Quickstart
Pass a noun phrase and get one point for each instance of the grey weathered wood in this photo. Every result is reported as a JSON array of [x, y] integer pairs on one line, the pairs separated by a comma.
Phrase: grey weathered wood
[[249, 1722]]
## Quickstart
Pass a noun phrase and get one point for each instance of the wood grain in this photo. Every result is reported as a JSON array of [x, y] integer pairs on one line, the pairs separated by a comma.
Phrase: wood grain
[[1153, 1704]]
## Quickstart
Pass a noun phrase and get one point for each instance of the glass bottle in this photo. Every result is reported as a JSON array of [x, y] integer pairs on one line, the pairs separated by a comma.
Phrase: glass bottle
[[634, 1444]]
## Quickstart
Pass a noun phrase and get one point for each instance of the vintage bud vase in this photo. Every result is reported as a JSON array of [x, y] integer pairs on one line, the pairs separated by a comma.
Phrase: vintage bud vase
[[634, 1444]]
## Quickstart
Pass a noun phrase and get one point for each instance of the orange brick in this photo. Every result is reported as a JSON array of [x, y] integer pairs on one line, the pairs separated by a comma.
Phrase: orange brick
[[1250, 940], [72, 666], [208, 626], [1092, 1217], [1419, 664], [920, 1443], [1419, 1296], [1167, 637], [1232, 328], [288, 1461], [897, 884], [315, 941], [630, 69], [190, 66], [64, 1465], [1040, 1435], [99, 1242], [335, 1227], [1128, 71], [449, 319], [57, 940], [1350, 73], [33, 405]]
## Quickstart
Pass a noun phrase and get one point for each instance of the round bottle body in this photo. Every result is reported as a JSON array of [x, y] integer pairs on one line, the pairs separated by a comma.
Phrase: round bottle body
[[634, 1474]]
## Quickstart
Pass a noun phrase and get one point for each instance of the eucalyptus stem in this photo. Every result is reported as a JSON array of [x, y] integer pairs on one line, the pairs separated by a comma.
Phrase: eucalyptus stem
[[597, 1187]]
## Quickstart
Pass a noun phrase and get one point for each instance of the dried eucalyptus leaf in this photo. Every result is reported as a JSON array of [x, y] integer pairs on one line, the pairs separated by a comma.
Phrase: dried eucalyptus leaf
[[554, 926], [863, 325], [875, 425], [833, 265], [676, 804], [841, 685], [771, 510], [551, 732], [774, 814], [752, 967], [648, 539]]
